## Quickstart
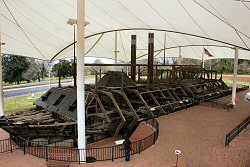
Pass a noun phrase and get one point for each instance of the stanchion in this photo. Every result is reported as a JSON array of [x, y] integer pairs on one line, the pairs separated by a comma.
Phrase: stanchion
[[177, 152]]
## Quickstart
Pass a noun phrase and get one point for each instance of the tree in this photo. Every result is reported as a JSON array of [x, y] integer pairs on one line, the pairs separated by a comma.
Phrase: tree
[[186, 61], [64, 67], [13, 67], [223, 64], [33, 71], [95, 69], [42, 67]]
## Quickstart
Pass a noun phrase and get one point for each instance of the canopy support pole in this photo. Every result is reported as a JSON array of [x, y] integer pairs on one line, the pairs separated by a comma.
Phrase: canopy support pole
[[1, 79], [180, 53], [74, 56], [50, 75], [80, 79], [202, 59], [164, 56], [236, 53], [116, 51], [210, 65]]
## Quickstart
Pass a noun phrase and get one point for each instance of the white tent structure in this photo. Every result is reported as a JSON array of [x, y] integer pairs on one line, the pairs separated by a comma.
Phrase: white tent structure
[[38, 29]]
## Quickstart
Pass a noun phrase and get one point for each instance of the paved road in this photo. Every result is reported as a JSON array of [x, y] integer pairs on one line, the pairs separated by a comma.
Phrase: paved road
[[37, 88], [29, 90]]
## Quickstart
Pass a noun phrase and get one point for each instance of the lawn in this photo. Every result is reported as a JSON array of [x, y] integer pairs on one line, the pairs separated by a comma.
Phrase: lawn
[[240, 75], [26, 102], [19, 103], [230, 82]]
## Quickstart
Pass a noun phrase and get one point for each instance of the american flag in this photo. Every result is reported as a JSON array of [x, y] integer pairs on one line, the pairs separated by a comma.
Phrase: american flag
[[207, 53]]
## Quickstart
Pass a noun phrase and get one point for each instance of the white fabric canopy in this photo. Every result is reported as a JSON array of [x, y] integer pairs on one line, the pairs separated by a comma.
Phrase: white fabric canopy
[[39, 29]]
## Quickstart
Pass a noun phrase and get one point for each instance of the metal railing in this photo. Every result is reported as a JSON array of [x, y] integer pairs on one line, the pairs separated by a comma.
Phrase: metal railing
[[7, 145], [236, 131], [239, 87], [217, 103], [77, 155]]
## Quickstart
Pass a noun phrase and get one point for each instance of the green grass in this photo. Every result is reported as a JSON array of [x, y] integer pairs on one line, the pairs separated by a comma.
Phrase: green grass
[[19, 103], [239, 75], [229, 82], [238, 82]]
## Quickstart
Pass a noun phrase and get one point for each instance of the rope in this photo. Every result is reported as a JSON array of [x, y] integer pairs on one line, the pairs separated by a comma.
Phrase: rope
[[94, 44], [168, 24], [123, 47], [220, 19], [228, 23]]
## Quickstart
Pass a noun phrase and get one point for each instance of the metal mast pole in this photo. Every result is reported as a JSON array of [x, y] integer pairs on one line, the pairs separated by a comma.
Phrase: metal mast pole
[[133, 57], [49, 74], [150, 58]]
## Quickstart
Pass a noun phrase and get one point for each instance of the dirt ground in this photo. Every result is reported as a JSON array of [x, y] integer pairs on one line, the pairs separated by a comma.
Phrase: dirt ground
[[199, 132]]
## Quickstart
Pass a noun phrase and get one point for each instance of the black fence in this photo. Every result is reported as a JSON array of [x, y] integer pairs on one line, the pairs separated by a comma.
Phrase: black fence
[[75, 155], [7, 145], [239, 87], [236, 131], [218, 103]]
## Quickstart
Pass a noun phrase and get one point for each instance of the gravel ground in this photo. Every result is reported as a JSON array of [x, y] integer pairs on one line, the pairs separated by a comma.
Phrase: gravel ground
[[199, 132]]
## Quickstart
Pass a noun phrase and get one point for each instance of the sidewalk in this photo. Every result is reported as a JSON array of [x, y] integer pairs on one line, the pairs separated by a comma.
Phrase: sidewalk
[[199, 132]]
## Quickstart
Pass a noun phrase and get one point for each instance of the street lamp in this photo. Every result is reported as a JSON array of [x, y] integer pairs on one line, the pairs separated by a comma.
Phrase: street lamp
[[74, 22]]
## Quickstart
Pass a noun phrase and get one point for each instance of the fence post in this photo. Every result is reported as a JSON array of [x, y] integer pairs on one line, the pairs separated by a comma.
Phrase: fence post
[[19, 141], [46, 153], [10, 143], [139, 146], [226, 143], [154, 138], [78, 150], [238, 130], [24, 145], [112, 153]]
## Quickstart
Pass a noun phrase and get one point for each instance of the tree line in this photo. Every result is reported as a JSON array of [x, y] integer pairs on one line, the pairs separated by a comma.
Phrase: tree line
[[226, 65], [17, 69]]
